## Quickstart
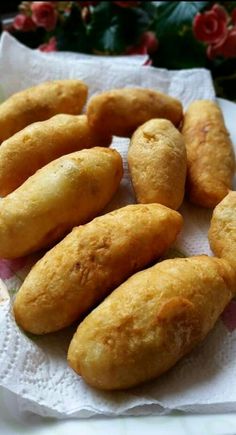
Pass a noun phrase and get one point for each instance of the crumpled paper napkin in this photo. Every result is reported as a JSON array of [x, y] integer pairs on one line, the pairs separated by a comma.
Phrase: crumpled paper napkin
[[34, 367]]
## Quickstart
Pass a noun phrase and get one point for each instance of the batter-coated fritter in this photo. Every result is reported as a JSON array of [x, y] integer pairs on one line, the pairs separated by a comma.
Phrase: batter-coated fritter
[[210, 155], [67, 192], [90, 262], [148, 323], [222, 233], [157, 163], [39, 143], [39, 103], [120, 111]]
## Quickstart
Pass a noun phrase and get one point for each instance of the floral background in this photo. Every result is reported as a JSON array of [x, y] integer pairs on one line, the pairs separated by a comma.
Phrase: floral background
[[175, 35]]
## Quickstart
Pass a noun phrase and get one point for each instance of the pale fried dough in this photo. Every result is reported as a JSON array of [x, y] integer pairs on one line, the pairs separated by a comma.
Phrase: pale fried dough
[[67, 192], [157, 163]]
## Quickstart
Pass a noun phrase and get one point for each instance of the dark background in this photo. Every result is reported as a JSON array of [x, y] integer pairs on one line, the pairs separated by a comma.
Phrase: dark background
[[8, 7]]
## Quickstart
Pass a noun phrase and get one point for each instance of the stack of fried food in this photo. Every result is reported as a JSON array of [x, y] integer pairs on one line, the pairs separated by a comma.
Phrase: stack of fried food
[[56, 176]]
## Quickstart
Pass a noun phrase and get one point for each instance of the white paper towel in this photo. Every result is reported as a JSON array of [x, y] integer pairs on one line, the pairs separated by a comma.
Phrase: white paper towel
[[35, 368]]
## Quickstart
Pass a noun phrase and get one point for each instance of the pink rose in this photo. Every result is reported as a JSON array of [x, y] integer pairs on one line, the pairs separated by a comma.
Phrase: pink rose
[[226, 48], [128, 4], [51, 45], [44, 14], [23, 23], [211, 26], [149, 40]]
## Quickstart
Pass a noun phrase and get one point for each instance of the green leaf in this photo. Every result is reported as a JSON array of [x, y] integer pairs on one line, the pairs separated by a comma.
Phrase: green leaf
[[111, 40], [178, 47], [71, 35], [180, 51], [224, 75], [105, 29], [112, 28], [171, 16], [135, 22], [151, 9], [101, 18], [225, 87], [229, 6]]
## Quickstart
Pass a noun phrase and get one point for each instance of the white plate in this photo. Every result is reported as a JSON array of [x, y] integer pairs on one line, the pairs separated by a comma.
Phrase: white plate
[[11, 422]]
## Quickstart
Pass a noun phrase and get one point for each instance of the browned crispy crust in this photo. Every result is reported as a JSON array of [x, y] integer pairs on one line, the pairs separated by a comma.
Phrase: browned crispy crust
[[90, 262], [148, 323], [39, 103], [120, 111], [210, 155], [222, 233], [40, 143]]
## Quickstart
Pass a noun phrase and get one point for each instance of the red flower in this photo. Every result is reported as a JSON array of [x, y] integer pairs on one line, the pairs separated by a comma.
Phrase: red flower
[[139, 49], [51, 45], [234, 17], [128, 4], [226, 48], [149, 40], [23, 23], [211, 26], [44, 14], [148, 44], [136, 49]]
